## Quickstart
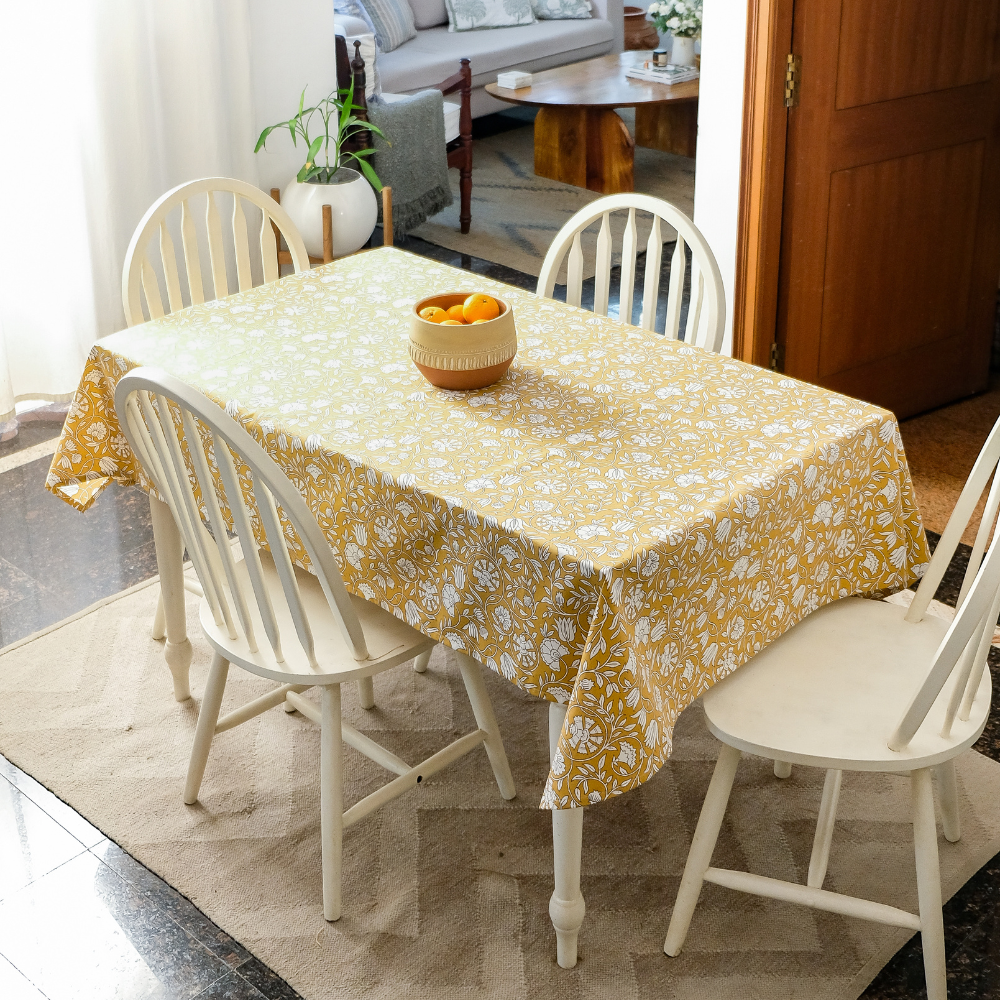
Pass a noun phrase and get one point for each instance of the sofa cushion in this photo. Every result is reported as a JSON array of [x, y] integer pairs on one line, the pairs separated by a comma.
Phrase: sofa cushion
[[434, 54], [428, 13], [472, 15], [560, 10]]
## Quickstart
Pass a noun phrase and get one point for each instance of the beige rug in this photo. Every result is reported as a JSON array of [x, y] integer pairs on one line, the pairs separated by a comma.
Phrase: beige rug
[[446, 890], [516, 215]]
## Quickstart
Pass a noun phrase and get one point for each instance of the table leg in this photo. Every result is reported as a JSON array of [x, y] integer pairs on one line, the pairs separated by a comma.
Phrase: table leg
[[610, 153], [566, 907], [587, 147], [672, 128], [170, 563]]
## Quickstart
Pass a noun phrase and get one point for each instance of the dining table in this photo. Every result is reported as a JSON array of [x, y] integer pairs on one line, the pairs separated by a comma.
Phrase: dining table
[[616, 525]]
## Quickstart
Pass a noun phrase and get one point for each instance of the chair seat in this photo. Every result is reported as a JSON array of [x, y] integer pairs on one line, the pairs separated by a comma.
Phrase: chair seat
[[452, 112], [831, 690], [390, 641]]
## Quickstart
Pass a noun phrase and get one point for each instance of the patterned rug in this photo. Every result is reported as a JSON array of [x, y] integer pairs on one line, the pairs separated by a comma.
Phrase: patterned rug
[[516, 215], [446, 889]]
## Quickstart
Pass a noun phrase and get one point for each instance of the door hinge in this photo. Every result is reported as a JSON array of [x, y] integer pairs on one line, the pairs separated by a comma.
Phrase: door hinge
[[792, 66], [777, 357]]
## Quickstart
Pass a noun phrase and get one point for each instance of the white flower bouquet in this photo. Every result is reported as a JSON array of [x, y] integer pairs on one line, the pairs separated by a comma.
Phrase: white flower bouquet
[[682, 18]]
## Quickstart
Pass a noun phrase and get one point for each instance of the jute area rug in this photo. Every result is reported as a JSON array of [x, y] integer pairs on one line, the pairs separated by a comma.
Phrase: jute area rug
[[446, 889], [516, 215]]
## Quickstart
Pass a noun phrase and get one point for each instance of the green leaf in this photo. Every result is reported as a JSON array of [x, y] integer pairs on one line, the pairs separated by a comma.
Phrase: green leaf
[[314, 147], [345, 111], [366, 169], [308, 172], [263, 137]]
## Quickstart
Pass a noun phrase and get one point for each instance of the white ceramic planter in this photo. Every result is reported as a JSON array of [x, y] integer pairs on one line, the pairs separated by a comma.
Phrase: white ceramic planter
[[682, 51], [353, 205]]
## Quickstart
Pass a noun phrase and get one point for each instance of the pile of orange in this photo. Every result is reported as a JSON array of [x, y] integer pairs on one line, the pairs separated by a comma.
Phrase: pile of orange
[[477, 308]]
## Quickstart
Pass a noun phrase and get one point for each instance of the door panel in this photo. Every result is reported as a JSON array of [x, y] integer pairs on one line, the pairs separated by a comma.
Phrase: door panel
[[877, 209], [896, 48], [890, 250]]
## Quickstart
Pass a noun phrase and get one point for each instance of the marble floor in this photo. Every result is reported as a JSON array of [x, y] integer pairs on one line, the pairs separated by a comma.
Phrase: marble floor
[[79, 918]]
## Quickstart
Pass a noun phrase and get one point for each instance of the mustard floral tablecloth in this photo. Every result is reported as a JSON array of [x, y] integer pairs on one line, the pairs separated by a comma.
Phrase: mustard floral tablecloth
[[617, 525]]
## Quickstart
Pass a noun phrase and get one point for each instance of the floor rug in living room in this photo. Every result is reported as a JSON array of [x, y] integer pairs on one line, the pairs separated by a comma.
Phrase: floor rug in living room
[[446, 889], [516, 215]]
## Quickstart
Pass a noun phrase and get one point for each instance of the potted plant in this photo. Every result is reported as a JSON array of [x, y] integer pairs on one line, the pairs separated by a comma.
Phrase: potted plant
[[348, 191], [682, 18]]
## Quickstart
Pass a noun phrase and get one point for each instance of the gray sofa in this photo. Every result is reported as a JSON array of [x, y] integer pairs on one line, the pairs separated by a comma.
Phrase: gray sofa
[[434, 54]]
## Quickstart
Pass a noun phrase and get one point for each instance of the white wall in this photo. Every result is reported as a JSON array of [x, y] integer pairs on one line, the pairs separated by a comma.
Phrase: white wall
[[720, 125], [292, 46]]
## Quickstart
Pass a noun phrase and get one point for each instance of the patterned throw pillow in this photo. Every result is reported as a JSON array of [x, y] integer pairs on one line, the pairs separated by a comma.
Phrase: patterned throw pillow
[[391, 20], [560, 10], [467, 15]]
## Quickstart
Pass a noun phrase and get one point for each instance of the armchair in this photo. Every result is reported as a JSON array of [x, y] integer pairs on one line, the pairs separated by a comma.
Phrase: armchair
[[459, 148]]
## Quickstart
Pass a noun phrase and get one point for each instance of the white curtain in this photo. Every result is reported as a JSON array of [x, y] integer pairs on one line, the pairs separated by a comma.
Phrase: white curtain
[[104, 106]]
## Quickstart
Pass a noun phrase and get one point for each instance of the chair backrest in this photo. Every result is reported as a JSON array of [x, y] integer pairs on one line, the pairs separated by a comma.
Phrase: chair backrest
[[706, 318], [163, 418], [964, 649], [138, 273]]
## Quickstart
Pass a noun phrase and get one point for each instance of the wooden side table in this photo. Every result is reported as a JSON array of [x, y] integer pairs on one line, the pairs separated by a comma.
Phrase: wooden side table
[[580, 140]]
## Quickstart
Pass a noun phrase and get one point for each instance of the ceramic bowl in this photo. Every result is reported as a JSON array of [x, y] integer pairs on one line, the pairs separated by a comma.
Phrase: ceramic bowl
[[462, 357]]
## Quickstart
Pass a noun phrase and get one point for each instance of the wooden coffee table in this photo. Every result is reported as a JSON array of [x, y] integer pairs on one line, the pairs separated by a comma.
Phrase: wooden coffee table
[[578, 137]]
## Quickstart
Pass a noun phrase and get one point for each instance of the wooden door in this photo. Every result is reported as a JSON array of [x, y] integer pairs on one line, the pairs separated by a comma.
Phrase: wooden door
[[890, 244]]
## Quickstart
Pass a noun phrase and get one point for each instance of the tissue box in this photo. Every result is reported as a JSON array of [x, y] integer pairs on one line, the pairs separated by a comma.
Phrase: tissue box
[[514, 80]]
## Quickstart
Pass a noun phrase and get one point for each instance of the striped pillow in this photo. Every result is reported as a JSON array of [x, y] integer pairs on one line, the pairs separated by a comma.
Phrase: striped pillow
[[393, 22]]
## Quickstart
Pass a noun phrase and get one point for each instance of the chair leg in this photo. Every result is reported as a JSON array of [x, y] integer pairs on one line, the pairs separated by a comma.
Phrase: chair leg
[[824, 829], [331, 767], [782, 769], [366, 692], [702, 846], [208, 718], [465, 198], [485, 719], [420, 661], [929, 884], [947, 784], [159, 620]]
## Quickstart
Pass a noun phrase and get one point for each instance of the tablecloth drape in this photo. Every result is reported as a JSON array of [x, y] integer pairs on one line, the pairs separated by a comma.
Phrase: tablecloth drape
[[618, 524]]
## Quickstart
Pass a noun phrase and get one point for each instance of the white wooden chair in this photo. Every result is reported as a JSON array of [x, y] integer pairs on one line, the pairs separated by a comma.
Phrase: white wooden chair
[[274, 619], [138, 274], [139, 279], [706, 318], [864, 685]]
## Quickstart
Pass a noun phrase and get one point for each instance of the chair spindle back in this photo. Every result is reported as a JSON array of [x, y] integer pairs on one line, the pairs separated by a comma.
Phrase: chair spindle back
[[139, 276], [160, 416], [964, 649], [706, 317]]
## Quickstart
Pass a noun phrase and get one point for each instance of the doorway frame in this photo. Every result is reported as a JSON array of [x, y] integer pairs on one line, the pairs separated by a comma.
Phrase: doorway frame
[[762, 180]]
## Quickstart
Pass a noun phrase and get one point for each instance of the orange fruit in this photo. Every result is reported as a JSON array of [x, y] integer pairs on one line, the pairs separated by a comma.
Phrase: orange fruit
[[455, 312], [433, 314], [476, 322], [479, 306], [451, 322]]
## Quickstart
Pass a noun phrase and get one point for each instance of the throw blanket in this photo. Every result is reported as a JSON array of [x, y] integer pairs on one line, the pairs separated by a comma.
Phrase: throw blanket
[[415, 166]]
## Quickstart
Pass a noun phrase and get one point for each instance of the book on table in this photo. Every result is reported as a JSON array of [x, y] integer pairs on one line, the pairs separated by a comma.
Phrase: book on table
[[662, 74]]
